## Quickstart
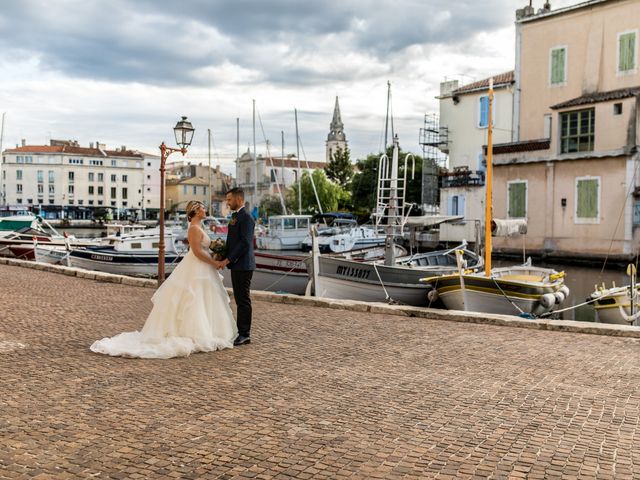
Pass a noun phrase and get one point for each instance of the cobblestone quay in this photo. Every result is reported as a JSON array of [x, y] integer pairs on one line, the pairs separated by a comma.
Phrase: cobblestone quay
[[321, 393]]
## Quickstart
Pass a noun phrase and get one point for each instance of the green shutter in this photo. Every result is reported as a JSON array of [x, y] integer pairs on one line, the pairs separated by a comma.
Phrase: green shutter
[[627, 52], [517, 200], [587, 199], [557, 65]]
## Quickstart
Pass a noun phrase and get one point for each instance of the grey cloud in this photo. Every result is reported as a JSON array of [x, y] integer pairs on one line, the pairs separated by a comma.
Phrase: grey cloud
[[165, 42]]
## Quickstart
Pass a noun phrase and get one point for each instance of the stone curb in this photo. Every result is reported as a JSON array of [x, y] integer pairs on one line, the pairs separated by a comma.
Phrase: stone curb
[[366, 307]]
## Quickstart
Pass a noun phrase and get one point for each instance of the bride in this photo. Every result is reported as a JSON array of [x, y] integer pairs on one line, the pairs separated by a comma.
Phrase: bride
[[190, 311]]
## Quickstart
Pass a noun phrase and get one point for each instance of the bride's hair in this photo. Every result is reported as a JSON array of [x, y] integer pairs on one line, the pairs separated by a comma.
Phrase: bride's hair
[[192, 208]]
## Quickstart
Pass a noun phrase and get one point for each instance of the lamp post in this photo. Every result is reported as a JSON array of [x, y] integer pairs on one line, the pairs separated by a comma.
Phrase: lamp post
[[184, 134]]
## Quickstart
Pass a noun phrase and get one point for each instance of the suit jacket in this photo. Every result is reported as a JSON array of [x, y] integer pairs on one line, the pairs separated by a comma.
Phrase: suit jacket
[[240, 241]]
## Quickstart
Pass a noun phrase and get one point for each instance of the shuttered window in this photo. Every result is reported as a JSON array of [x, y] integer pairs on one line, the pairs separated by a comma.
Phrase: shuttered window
[[587, 199], [483, 119], [558, 65], [455, 205], [627, 52], [517, 200]]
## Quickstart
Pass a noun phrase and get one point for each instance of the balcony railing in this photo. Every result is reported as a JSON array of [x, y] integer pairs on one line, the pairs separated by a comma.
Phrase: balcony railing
[[462, 177]]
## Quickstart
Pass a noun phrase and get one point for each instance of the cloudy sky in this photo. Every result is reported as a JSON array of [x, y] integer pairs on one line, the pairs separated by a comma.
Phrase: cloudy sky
[[123, 71]]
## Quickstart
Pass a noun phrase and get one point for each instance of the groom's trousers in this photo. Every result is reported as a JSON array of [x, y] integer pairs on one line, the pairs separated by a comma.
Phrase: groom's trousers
[[241, 283]]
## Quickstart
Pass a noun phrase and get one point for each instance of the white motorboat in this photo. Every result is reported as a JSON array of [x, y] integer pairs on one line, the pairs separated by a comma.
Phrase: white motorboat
[[618, 305], [284, 232], [344, 235], [129, 254]]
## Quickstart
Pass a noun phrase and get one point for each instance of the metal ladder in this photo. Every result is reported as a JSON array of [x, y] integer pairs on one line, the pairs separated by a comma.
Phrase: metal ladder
[[390, 198]]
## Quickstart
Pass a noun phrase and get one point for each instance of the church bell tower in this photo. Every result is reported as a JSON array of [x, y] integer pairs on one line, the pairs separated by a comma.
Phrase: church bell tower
[[336, 138]]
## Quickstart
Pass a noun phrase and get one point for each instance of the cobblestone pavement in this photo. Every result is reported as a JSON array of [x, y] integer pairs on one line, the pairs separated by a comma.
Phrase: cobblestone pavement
[[321, 393]]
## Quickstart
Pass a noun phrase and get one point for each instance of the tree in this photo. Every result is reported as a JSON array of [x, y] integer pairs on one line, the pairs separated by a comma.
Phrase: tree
[[340, 169], [270, 205], [331, 195], [364, 186]]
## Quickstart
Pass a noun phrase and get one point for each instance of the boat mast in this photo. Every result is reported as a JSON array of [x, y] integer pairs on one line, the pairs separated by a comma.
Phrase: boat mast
[[255, 159], [2, 197], [295, 111], [386, 123], [489, 188]]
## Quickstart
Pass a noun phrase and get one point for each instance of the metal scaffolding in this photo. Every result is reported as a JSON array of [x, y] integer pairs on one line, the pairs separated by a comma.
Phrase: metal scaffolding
[[434, 141]]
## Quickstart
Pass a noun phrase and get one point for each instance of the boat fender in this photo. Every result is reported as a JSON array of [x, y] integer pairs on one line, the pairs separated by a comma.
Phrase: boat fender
[[564, 289], [559, 295], [432, 295], [547, 300]]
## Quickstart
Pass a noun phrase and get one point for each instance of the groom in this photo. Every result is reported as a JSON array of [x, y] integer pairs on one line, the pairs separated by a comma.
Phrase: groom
[[241, 261]]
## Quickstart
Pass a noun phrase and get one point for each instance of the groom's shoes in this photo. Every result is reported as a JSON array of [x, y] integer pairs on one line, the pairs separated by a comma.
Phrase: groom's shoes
[[241, 340]]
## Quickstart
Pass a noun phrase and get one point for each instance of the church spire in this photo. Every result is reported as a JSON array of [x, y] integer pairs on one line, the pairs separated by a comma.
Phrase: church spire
[[336, 140], [337, 127]]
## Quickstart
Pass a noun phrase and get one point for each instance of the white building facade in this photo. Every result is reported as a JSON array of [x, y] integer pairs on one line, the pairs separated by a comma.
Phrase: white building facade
[[464, 113], [64, 180], [151, 189], [273, 173]]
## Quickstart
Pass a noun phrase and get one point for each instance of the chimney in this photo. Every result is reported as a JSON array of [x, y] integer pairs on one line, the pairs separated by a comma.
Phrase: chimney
[[123, 148], [90, 144], [525, 12], [447, 87], [24, 142]]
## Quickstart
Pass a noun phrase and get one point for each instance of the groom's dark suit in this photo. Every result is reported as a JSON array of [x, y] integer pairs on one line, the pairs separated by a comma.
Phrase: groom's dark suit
[[242, 263]]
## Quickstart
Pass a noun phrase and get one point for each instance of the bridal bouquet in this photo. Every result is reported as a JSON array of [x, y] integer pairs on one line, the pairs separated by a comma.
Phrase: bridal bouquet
[[218, 248]]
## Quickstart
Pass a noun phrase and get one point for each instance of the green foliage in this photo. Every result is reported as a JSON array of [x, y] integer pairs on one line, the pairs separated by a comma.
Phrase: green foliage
[[331, 195], [340, 169], [270, 205]]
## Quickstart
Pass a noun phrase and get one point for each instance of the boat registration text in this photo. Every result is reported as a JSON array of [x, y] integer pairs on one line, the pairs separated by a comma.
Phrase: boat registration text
[[353, 272]]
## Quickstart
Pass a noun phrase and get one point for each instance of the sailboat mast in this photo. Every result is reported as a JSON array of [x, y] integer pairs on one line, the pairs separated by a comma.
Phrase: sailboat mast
[[255, 160], [2, 197], [295, 111], [489, 188], [386, 122], [237, 145]]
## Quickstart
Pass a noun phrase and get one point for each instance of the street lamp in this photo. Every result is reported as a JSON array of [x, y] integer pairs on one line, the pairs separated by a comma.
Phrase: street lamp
[[184, 134]]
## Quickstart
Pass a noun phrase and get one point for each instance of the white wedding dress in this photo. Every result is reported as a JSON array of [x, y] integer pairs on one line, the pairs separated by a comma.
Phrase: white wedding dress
[[190, 313]]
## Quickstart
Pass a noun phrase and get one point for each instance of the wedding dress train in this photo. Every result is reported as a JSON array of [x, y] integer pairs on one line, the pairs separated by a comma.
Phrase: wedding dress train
[[190, 313]]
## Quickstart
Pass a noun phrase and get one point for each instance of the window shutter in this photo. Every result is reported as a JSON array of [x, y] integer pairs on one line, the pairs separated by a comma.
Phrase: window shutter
[[587, 199], [450, 205], [557, 65], [460, 205], [517, 200], [627, 52], [484, 111]]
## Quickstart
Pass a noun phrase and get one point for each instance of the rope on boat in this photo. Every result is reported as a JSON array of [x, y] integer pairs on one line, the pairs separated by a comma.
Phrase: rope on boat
[[573, 307], [388, 298], [522, 313]]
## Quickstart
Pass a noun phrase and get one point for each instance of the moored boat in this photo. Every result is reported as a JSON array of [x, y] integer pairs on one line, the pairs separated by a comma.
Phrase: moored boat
[[130, 254], [284, 232], [374, 281], [515, 290]]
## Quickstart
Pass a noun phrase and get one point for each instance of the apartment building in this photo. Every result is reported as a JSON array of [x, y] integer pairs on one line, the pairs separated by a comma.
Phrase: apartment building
[[571, 168], [65, 180]]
